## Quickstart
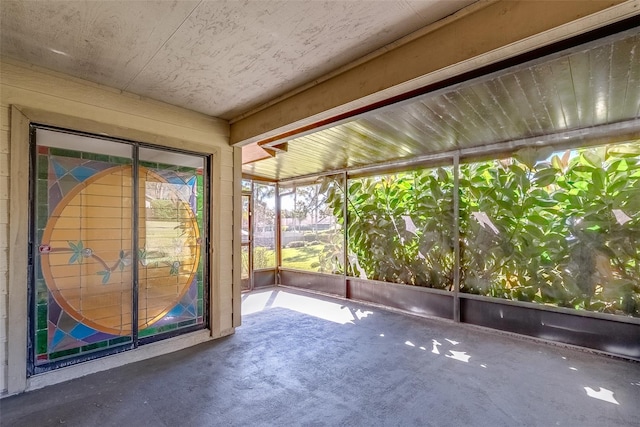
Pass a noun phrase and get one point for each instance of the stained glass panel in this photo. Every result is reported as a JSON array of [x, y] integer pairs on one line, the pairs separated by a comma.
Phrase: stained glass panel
[[170, 270], [83, 237], [83, 231]]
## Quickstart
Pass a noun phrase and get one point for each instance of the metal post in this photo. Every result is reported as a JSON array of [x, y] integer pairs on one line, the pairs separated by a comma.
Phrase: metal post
[[251, 228], [134, 244], [278, 234], [456, 236], [345, 248], [207, 249]]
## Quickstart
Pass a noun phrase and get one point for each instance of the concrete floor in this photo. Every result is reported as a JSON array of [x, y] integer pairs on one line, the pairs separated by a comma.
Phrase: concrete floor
[[300, 359]]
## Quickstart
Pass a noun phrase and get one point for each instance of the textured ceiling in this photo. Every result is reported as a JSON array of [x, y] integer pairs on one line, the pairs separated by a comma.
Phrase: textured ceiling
[[595, 87], [220, 58]]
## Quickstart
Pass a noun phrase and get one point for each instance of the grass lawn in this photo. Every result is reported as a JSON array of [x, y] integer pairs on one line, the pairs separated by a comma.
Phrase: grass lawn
[[302, 258], [298, 258]]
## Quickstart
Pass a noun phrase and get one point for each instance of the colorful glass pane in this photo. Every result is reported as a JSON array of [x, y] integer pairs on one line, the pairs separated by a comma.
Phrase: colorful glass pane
[[171, 221], [84, 230], [82, 215]]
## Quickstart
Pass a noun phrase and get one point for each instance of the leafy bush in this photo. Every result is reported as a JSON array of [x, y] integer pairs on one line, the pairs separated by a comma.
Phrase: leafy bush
[[561, 229], [263, 258], [401, 228], [309, 237]]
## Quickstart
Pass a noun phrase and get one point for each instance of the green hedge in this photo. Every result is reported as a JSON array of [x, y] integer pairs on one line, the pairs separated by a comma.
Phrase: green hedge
[[560, 229]]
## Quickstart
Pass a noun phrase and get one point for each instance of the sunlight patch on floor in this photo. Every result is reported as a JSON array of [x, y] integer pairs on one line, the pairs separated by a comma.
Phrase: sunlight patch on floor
[[326, 310], [362, 314], [603, 394], [334, 312], [462, 356], [338, 313], [255, 302]]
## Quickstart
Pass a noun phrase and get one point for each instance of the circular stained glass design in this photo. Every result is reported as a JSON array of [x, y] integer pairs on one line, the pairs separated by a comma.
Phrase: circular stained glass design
[[88, 261]]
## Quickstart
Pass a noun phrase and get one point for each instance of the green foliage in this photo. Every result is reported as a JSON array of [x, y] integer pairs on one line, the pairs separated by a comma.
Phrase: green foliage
[[325, 236], [304, 258], [263, 258], [383, 244], [557, 239], [558, 229]]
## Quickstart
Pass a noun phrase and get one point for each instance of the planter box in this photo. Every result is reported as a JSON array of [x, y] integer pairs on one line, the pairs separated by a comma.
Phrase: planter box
[[608, 335], [326, 283], [263, 278], [414, 299]]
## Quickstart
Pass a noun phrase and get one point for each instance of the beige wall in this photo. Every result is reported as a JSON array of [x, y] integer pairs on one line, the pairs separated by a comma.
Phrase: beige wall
[[31, 94]]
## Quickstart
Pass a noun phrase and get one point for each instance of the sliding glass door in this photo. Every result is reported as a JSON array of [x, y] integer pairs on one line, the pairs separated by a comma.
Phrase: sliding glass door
[[118, 242]]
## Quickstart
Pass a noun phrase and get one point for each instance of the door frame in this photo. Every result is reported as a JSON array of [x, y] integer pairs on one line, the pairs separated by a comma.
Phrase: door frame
[[32, 244], [247, 283]]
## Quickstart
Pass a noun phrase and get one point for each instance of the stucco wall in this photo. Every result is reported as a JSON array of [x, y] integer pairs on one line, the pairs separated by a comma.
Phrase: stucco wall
[[34, 92]]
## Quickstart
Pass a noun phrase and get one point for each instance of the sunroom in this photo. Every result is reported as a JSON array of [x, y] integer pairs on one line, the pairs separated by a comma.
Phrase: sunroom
[[474, 162], [508, 198]]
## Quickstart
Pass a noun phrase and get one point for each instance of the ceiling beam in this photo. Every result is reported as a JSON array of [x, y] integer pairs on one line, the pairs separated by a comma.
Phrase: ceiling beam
[[254, 153], [479, 35]]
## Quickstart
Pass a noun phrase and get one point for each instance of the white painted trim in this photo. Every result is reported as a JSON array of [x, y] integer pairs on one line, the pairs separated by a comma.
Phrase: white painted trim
[[18, 253]]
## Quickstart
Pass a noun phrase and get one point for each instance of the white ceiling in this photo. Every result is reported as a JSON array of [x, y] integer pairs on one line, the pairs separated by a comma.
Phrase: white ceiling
[[221, 58]]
